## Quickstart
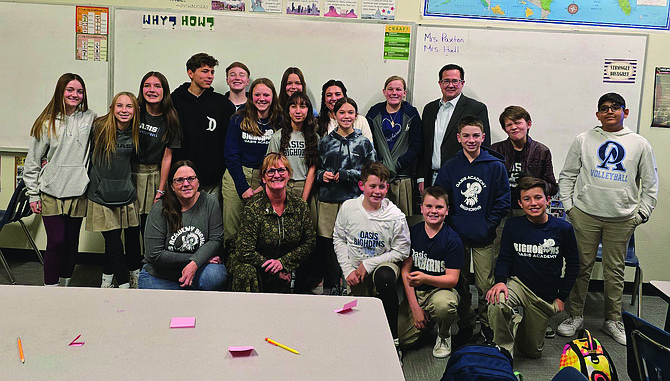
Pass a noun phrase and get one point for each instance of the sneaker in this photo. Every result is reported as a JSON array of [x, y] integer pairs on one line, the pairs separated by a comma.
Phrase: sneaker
[[442, 348], [549, 333], [338, 290], [570, 325], [134, 277], [616, 330], [487, 332]]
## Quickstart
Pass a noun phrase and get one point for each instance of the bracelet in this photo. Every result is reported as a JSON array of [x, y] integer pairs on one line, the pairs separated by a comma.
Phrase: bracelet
[[160, 192]]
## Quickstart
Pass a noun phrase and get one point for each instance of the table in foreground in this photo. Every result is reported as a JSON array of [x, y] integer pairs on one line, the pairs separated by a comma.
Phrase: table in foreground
[[664, 288], [127, 336]]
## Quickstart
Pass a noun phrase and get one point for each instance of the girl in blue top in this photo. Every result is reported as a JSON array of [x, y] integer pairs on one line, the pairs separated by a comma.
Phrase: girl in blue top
[[247, 142]]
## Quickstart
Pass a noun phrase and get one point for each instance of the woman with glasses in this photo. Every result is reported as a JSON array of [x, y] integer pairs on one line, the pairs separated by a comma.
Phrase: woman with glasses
[[276, 233], [183, 237]]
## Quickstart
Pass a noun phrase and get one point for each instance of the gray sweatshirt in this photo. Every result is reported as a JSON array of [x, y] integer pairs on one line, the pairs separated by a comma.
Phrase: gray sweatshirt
[[64, 175], [199, 239]]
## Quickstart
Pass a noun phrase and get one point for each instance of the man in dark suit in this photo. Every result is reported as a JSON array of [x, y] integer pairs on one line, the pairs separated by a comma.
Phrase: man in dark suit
[[440, 123]]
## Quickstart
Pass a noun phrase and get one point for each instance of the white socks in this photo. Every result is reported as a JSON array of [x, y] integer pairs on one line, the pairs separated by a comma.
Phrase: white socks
[[107, 281]]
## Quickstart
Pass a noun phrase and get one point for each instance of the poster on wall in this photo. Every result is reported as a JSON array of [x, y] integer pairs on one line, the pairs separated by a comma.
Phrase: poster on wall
[[661, 98], [92, 28], [268, 6], [303, 8], [341, 8], [378, 9], [396, 42], [229, 5], [183, 4], [19, 162], [178, 21], [91, 47]]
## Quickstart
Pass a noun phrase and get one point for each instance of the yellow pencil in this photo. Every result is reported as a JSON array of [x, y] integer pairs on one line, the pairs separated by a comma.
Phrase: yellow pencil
[[23, 359], [281, 346]]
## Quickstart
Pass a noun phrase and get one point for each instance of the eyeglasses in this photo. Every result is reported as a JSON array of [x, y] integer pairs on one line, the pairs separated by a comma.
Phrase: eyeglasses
[[614, 107], [272, 171], [451, 81], [180, 180]]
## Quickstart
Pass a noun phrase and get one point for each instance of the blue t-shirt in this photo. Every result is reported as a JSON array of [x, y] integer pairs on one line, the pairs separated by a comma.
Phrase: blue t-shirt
[[433, 256], [535, 253]]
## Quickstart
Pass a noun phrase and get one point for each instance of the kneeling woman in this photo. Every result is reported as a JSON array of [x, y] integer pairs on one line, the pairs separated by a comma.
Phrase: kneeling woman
[[184, 236], [276, 234]]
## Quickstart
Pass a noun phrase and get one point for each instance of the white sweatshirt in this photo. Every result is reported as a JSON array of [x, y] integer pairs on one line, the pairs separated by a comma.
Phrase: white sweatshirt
[[65, 174], [371, 238], [610, 175]]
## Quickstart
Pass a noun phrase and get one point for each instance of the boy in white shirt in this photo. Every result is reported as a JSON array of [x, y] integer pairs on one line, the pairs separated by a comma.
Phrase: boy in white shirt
[[371, 238]]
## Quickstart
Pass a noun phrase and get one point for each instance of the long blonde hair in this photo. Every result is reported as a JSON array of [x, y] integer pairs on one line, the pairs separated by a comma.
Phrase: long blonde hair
[[250, 113], [56, 107], [104, 130]]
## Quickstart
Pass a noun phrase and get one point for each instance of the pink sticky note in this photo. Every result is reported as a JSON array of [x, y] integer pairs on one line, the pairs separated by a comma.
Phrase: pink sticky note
[[347, 307], [182, 322], [75, 343], [241, 351]]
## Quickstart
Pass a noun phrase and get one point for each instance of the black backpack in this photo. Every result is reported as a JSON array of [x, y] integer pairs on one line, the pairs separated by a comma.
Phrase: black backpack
[[479, 363]]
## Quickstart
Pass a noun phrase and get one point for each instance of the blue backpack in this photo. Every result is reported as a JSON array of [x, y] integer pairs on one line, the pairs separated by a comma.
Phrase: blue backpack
[[479, 363]]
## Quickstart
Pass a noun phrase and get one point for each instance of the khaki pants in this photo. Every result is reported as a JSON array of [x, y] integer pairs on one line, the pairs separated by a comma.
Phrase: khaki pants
[[614, 235], [214, 190], [296, 187], [526, 331], [400, 193], [440, 304], [482, 258], [233, 205]]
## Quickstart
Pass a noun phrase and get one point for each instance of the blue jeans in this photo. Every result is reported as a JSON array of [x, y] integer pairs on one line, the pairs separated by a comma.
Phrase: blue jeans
[[210, 277]]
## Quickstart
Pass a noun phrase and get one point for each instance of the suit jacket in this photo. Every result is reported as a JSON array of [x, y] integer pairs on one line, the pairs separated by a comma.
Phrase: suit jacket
[[450, 145]]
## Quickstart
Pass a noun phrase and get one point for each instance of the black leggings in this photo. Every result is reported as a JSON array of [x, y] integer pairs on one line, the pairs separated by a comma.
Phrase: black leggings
[[385, 283], [115, 262]]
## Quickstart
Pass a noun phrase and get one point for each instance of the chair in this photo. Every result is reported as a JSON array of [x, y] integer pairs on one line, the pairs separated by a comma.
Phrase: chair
[[648, 356], [630, 261], [18, 208], [569, 374]]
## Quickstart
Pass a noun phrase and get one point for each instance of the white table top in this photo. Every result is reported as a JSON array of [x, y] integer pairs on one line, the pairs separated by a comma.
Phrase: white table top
[[127, 336], [663, 287]]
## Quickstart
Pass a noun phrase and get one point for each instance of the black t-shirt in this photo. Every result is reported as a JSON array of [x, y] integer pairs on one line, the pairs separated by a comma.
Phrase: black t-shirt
[[434, 255], [152, 130]]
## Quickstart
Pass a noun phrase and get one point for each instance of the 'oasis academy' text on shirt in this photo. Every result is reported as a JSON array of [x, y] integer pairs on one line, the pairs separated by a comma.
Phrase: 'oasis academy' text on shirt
[[534, 253], [479, 195]]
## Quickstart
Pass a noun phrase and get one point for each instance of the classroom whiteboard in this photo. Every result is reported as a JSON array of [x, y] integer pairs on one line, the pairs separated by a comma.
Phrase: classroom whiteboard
[[322, 49], [556, 76], [38, 46]]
